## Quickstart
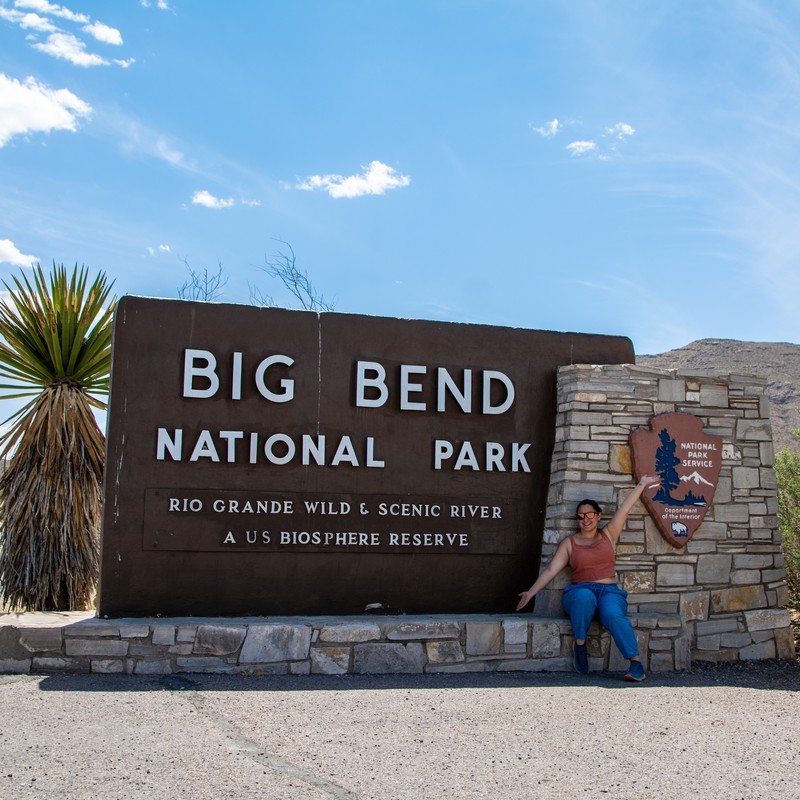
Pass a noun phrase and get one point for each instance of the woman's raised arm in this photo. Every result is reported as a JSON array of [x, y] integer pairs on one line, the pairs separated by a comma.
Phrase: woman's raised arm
[[615, 525]]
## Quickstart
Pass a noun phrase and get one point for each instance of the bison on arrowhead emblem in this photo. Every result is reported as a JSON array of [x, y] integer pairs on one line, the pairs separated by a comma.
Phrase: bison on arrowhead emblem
[[687, 462]]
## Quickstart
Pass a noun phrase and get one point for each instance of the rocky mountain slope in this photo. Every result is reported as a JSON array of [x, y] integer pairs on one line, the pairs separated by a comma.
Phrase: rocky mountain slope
[[778, 362]]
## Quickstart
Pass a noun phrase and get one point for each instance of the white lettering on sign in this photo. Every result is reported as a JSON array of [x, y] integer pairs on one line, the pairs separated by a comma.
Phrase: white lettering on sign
[[285, 383], [335, 538], [462, 396], [236, 377], [409, 509], [286, 441], [191, 370], [372, 391], [278, 448], [429, 539], [327, 507], [489, 376], [185, 504], [231, 437], [345, 452], [472, 511], [468, 390], [494, 453], [407, 387], [248, 507], [166, 444], [204, 448], [202, 365], [376, 379]]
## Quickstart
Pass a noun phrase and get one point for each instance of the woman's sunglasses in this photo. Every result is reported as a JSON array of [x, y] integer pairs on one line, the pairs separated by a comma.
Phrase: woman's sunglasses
[[587, 515]]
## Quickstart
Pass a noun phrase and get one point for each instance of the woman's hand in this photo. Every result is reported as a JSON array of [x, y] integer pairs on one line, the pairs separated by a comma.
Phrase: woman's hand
[[524, 599], [649, 481]]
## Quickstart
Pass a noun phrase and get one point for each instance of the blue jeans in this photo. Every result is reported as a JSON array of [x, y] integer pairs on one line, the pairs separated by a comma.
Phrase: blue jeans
[[581, 600]]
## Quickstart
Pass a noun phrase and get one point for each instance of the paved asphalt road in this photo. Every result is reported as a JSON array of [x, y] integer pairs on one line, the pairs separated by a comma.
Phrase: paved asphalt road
[[731, 732]]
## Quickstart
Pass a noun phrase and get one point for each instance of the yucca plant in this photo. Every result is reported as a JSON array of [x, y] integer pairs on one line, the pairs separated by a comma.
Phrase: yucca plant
[[56, 349]]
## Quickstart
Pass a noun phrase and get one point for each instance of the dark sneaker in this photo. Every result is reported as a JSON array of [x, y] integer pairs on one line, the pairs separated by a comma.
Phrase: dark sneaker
[[580, 658], [635, 672]]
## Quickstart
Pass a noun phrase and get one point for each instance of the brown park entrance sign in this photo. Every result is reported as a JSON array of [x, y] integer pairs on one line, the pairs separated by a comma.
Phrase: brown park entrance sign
[[264, 461], [687, 462]]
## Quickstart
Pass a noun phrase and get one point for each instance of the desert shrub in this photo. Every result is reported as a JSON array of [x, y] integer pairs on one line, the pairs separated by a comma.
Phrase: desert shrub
[[787, 469]]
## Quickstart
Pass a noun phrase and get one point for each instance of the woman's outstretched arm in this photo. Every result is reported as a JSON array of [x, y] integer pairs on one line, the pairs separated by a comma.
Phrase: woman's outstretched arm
[[557, 563]]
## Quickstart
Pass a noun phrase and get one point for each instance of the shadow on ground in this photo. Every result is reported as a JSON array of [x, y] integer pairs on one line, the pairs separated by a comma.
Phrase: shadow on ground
[[772, 675]]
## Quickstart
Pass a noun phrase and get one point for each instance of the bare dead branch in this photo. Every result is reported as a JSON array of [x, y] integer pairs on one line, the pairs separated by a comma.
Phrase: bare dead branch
[[258, 298], [283, 266], [203, 285]]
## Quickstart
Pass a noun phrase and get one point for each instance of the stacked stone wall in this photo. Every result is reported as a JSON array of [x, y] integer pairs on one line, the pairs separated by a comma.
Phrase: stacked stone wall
[[79, 642], [726, 589]]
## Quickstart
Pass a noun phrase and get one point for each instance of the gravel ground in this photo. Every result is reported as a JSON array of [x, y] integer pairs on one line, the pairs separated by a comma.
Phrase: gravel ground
[[727, 731]]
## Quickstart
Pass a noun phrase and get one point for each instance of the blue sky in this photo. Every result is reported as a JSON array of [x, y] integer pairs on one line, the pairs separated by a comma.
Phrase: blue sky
[[607, 167]]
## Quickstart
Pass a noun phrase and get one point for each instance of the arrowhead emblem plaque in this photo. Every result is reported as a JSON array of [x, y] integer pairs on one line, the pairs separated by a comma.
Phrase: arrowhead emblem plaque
[[687, 462]]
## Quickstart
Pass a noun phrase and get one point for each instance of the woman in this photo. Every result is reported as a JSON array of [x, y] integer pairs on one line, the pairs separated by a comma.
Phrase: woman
[[590, 554]]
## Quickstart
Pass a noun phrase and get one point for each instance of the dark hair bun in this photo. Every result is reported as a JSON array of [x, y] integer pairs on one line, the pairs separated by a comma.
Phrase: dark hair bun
[[593, 503]]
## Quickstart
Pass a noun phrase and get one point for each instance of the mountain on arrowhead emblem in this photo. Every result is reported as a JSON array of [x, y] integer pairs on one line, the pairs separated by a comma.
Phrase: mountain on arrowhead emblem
[[697, 478]]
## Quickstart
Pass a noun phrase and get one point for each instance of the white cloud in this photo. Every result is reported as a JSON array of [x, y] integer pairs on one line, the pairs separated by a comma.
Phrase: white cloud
[[36, 23], [253, 203], [70, 48], [174, 157], [549, 128], [32, 106], [30, 21], [59, 43], [204, 198], [580, 148], [9, 254], [50, 8], [377, 178], [137, 139], [104, 33], [621, 130], [162, 248]]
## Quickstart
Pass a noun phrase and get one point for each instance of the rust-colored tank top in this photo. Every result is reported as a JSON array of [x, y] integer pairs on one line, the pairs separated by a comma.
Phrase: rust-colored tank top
[[593, 562]]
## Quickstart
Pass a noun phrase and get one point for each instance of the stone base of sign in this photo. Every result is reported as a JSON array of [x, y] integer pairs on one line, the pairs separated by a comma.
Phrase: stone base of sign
[[726, 589], [80, 642]]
